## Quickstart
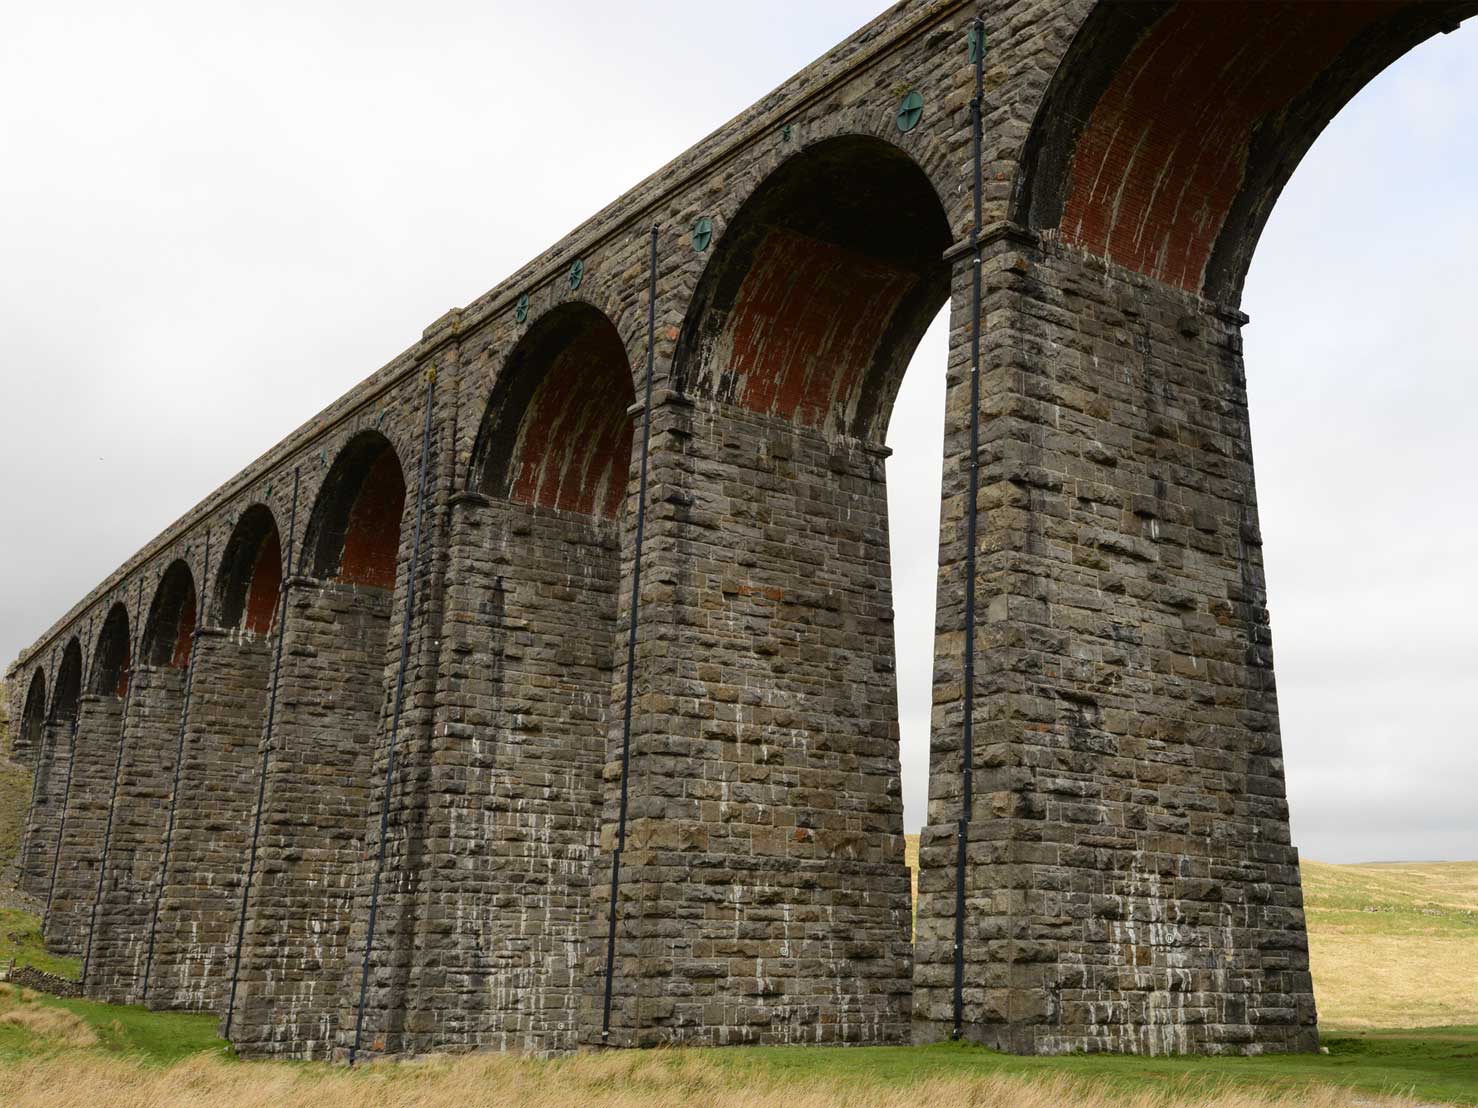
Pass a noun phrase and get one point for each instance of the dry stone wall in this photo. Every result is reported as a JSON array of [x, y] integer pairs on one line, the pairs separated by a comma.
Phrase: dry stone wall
[[1129, 883]]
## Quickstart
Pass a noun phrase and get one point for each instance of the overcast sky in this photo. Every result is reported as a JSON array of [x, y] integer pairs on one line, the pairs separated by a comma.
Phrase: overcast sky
[[217, 218]]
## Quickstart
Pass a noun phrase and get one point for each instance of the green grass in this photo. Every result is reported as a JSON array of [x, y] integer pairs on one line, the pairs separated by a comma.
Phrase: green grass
[[154, 1038], [1433, 1064], [20, 938], [15, 800]]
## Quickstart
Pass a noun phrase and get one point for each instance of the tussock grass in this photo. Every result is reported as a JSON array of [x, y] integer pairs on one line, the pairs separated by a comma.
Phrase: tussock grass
[[667, 1079], [20, 1010]]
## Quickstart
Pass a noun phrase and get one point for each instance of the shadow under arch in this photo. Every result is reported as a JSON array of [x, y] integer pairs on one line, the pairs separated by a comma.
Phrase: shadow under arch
[[556, 432], [820, 289], [250, 579], [353, 533], [1170, 129], [112, 663], [33, 719], [170, 627], [68, 688]]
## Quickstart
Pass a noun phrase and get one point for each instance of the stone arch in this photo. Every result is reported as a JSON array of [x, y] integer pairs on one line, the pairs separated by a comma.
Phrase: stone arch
[[535, 553], [33, 718], [1170, 129], [354, 532], [820, 288], [781, 695], [143, 791], [199, 889], [112, 660], [556, 432], [68, 687], [330, 720], [250, 582], [43, 823], [89, 783], [170, 627]]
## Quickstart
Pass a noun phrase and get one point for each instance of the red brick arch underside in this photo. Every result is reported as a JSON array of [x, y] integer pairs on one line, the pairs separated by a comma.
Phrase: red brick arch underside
[[112, 664], [251, 573], [354, 535], [169, 630], [1171, 128], [558, 433], [820, 288]]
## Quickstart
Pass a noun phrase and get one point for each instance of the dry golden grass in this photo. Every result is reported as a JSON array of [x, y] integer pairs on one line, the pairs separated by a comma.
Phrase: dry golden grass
[[648, 1080], [18, 1008], [1393, 944]]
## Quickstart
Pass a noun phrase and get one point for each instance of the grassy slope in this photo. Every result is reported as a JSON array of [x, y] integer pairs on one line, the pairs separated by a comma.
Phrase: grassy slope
[[20, 931], [1394, 945]]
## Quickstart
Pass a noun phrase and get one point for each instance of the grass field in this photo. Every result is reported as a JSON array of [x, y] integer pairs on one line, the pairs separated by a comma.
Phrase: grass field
[[1394, 944], [1394, 950], [77, 1054]]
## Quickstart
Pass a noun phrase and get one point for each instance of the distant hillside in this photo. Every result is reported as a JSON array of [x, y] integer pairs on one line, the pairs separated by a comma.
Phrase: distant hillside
[[1391, 944]]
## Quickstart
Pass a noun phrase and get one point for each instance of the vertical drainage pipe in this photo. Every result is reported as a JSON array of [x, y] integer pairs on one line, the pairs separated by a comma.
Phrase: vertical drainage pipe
[[641, 517], [967, 744], [256, 827], [405, 646]]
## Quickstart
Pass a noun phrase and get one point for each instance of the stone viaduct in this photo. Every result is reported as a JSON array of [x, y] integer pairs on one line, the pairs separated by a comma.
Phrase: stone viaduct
[[452, 568]]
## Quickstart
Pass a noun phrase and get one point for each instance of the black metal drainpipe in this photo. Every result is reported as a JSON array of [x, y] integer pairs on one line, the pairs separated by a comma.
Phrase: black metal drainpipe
[[256, 827], [405, 648], [641, 519], [967, 744], [92, 921], [83, 681], [179, 757]]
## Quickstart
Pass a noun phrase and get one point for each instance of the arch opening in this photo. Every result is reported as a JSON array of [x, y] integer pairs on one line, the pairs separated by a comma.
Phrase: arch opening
[[1170, 129], [354, 535], [821, 289], [251, 573], [68, 688], [33, 717], [169, 631], [113, 659], [557, 433]]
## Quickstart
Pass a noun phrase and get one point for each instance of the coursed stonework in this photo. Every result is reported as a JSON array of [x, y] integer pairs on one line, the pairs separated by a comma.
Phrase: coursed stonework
[[1129, 883]]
